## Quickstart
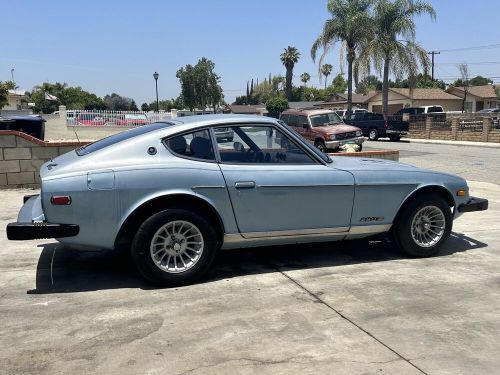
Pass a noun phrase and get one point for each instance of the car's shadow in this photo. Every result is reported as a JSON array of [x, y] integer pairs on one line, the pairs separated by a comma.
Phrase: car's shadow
[[64, 270]]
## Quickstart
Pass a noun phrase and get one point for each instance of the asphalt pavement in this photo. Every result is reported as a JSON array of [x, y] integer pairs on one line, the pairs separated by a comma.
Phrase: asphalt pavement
[[346, 308]]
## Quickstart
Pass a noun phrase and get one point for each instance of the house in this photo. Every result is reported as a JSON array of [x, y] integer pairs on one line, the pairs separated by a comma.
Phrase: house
[[303, 105], [259, 109], [339, 101], [403, 98], [478, 97], [17, 101]]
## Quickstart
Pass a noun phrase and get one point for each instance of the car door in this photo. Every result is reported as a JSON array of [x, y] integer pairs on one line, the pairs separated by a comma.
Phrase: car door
[[282, 190]]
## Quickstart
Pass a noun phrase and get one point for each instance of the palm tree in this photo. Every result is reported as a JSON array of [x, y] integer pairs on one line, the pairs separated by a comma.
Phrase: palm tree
[[304, 77], [289, 57], [350, 25], [326, 70], [393, 47]]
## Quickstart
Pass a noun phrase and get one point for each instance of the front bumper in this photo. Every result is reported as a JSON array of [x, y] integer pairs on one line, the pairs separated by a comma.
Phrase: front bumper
[[30, 224], [474, 204], [337, 143]]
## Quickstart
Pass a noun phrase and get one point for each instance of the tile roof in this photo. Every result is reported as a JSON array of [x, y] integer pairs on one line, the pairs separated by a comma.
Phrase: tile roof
[[424, 94], [486, 91]]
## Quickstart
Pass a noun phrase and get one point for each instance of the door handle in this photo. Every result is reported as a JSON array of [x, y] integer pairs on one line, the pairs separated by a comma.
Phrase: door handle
[[244, 185]]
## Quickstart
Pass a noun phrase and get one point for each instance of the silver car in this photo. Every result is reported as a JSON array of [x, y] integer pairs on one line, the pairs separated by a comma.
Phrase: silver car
[[173, 196]]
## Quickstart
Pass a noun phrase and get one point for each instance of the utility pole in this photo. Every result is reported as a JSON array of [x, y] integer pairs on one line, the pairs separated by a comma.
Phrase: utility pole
[[12, 75], [433, 53]]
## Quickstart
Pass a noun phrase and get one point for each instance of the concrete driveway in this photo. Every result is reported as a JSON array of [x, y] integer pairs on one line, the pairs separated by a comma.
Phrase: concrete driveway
[[344, 308]]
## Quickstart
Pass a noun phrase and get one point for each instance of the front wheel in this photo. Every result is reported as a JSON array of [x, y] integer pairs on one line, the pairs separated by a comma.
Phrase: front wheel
[[320, 145], [373, 134], [424, 225], [174, 247]]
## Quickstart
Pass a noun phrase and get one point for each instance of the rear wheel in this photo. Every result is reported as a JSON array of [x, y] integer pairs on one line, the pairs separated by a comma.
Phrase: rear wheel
[[320, 145], [174, 247], [424, 225], [373, 134]]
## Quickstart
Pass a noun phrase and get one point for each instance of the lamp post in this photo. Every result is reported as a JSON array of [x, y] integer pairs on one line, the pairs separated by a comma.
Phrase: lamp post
[[155, 76], [12, 74]]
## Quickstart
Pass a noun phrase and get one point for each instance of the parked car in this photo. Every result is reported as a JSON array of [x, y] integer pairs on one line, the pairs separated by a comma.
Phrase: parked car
[[224, 134], [375, 126], [322, 128], [28, 124], [493, 111], [131, 119], [173, 196], [90, 119], [420, 113], [344, 112]]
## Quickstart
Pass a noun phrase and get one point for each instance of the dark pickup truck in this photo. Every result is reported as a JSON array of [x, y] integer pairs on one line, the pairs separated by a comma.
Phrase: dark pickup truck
[[374, 126]]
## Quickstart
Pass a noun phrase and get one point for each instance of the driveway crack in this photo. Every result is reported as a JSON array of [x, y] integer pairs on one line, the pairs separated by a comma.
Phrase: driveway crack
[[320, 300]]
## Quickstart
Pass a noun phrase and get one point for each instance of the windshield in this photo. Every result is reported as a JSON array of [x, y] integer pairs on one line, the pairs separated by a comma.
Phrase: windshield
[[105, 142], [313, 149], [323, 119]]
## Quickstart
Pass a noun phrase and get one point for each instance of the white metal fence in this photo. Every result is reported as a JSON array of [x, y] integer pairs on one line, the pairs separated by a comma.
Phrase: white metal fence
[[114, 118]]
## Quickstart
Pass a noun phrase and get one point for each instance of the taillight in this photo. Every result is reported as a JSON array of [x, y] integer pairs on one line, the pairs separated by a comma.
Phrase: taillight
[[386, 124], [61, 200]]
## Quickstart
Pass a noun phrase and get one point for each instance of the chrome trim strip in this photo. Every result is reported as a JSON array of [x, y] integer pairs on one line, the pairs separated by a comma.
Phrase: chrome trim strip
[[308, 186], [298, 232], [368, 229], [208, 187]]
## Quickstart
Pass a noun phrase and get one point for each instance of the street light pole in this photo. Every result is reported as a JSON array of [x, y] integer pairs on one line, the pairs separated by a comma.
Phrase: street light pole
[[155, 76], [12, 74]]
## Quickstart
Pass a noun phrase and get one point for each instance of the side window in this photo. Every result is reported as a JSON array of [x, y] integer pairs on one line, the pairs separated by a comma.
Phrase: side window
[[285, 118], [293, 120], [359, 116], [303, 121], [257, 144], [195, 145]]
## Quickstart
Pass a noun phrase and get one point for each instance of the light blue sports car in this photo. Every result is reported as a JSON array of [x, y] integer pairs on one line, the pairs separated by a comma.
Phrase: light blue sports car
[[174, 193]]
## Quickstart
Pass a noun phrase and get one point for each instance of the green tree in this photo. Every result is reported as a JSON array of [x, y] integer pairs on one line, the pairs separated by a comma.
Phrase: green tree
[[115, 102], [4, 93], [392, 47], [289, 57], [200, 85], [326, 70], [367, 84], [133, 106], [38, 96], [145, 107], [276, 105], [349, 24], [422, 81], [476, 81], [304, 77]]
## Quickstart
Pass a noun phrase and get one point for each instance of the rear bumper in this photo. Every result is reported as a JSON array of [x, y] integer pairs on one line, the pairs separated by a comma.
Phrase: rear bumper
[[31, 224], [33, 231], [396, 132], [474, 204]]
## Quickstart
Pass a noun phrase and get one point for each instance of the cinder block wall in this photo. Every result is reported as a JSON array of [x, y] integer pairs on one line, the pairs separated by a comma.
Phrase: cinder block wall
[[21, 157]]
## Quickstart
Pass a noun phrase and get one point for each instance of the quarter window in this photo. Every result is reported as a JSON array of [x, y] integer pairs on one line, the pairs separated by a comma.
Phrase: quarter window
[[195, 145], [261, 145]]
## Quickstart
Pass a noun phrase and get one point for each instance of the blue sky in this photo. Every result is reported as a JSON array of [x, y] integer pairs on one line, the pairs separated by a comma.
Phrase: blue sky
[[116, 46]]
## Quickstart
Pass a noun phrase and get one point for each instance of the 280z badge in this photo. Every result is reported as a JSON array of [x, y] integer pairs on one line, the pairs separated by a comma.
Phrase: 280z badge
[[371, 218]]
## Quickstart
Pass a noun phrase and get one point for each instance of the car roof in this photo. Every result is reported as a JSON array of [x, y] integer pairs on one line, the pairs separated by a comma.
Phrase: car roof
[[307, 111]]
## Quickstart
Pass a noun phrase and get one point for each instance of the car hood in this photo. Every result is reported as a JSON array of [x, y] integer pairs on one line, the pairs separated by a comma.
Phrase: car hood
[[368, 164], [336, 129]]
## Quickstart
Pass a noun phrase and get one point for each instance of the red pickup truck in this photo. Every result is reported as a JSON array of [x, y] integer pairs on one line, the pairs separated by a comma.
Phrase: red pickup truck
[[322, 127]]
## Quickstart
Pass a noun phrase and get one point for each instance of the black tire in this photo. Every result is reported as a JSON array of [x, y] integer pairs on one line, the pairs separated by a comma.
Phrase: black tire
[[360, 148], [143, 257], [395, 138], [403, 229], [320, 145], [373, 134]]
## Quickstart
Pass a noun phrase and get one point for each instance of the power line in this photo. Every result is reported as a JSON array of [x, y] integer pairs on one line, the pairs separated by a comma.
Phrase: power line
[[473, 48]]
